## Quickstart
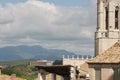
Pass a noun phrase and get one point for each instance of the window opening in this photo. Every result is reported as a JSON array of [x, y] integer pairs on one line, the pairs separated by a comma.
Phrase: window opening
[[106, 19], [116, 17]]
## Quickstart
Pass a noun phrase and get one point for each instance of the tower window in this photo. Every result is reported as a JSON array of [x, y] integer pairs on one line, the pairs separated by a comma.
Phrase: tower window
[[106, 19], [116, 17]]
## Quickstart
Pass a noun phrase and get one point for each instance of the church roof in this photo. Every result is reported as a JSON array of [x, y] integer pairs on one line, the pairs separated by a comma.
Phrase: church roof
[[84, 67], [112, 55]]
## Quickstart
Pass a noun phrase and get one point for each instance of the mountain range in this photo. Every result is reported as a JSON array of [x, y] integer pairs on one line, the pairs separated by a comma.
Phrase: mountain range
[[31, 52]]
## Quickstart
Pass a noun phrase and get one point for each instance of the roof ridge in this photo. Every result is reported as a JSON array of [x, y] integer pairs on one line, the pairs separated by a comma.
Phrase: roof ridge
[[111, 55], [117, 44]]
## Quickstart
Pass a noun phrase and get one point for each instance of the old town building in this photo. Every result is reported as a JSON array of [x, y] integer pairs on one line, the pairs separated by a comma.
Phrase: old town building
[[106, 64], [108, 25]]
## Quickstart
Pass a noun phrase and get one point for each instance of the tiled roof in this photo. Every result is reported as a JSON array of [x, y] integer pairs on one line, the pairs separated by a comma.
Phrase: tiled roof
[[84, 67], [112, 55]]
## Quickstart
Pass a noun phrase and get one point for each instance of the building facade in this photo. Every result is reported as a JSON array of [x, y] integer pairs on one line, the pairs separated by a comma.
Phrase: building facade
[[108, 25], [74, 61], [106, 64], [40, 62]]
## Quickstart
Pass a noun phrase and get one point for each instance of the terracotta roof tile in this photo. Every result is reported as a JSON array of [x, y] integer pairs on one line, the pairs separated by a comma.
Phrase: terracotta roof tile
[[84, 67], [112, 55]]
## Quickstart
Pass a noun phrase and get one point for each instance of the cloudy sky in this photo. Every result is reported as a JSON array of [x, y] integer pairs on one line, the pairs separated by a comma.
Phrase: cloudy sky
[[54, 24]]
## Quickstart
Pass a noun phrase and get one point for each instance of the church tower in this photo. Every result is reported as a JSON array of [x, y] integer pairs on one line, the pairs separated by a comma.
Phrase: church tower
[[108, 25]]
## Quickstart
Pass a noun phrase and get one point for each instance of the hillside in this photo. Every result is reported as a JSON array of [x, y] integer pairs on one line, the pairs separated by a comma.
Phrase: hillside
[[30, 52], [22, 71]]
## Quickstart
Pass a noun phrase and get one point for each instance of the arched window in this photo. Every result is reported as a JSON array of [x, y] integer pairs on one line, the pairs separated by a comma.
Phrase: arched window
[[106, 19], [116, 17]]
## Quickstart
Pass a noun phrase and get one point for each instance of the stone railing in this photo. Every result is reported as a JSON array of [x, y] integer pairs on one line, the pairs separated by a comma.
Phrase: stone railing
[[81, 57]]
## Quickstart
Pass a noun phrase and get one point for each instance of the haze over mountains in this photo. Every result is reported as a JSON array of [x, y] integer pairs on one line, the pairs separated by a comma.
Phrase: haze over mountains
[[31, 52]]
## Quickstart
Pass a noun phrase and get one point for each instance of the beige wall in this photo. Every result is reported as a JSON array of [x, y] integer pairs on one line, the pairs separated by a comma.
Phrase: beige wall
[[51, 77], [92, 73], [107, 74], [58, 77], [106, 71], [104, 39], [103, 44], [73, 62], [0, 71]]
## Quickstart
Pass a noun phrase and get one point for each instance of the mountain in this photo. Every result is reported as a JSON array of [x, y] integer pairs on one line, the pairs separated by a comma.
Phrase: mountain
[[31, 52]]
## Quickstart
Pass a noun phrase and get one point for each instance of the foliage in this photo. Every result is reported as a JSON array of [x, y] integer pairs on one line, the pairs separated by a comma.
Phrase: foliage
[[57, 62], [23, 71], [16, 62]]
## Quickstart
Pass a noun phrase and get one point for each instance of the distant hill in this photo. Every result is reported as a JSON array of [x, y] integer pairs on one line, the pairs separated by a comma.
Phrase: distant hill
[[31, 52]]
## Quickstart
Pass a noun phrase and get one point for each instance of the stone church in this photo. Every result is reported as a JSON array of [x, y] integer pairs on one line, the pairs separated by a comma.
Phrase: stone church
[[108, 24], [106, 64]]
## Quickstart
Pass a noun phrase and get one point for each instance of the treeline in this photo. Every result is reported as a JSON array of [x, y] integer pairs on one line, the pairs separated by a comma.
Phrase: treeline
[[23, 71]]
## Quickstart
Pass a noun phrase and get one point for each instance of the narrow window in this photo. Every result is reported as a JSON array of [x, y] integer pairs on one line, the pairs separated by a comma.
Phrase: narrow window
[[106, 19], [97, 74], [116, 17]]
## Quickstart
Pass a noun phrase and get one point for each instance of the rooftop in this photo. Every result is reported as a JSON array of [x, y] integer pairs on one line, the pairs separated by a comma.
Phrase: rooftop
[[57, 69], [112, 55]]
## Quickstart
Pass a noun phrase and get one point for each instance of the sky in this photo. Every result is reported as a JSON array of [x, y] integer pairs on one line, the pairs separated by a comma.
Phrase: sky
[[53, 24]]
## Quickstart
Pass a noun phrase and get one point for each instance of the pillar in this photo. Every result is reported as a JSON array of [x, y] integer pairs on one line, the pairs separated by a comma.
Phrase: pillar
[[54, 76], [92, 73], [0, 71], [111, 22], [77, 57], [72, 74], [68, 57], [42, 75], [73, 57], [100, 17]]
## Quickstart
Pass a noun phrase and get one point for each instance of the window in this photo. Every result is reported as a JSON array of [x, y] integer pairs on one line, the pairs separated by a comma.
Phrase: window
[[116, 17], [97, 74], [106, 19]]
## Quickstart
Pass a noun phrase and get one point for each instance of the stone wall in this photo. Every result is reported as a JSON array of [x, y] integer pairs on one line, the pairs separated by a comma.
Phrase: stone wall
[[74, 61], [106, 37], [107, 72]]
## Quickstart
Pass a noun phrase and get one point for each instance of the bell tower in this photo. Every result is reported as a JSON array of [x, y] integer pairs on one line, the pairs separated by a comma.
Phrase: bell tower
[[108, 25]]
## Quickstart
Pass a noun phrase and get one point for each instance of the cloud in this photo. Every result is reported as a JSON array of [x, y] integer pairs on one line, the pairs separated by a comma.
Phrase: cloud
[[5, 16], [94, 2], [40, 23]]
